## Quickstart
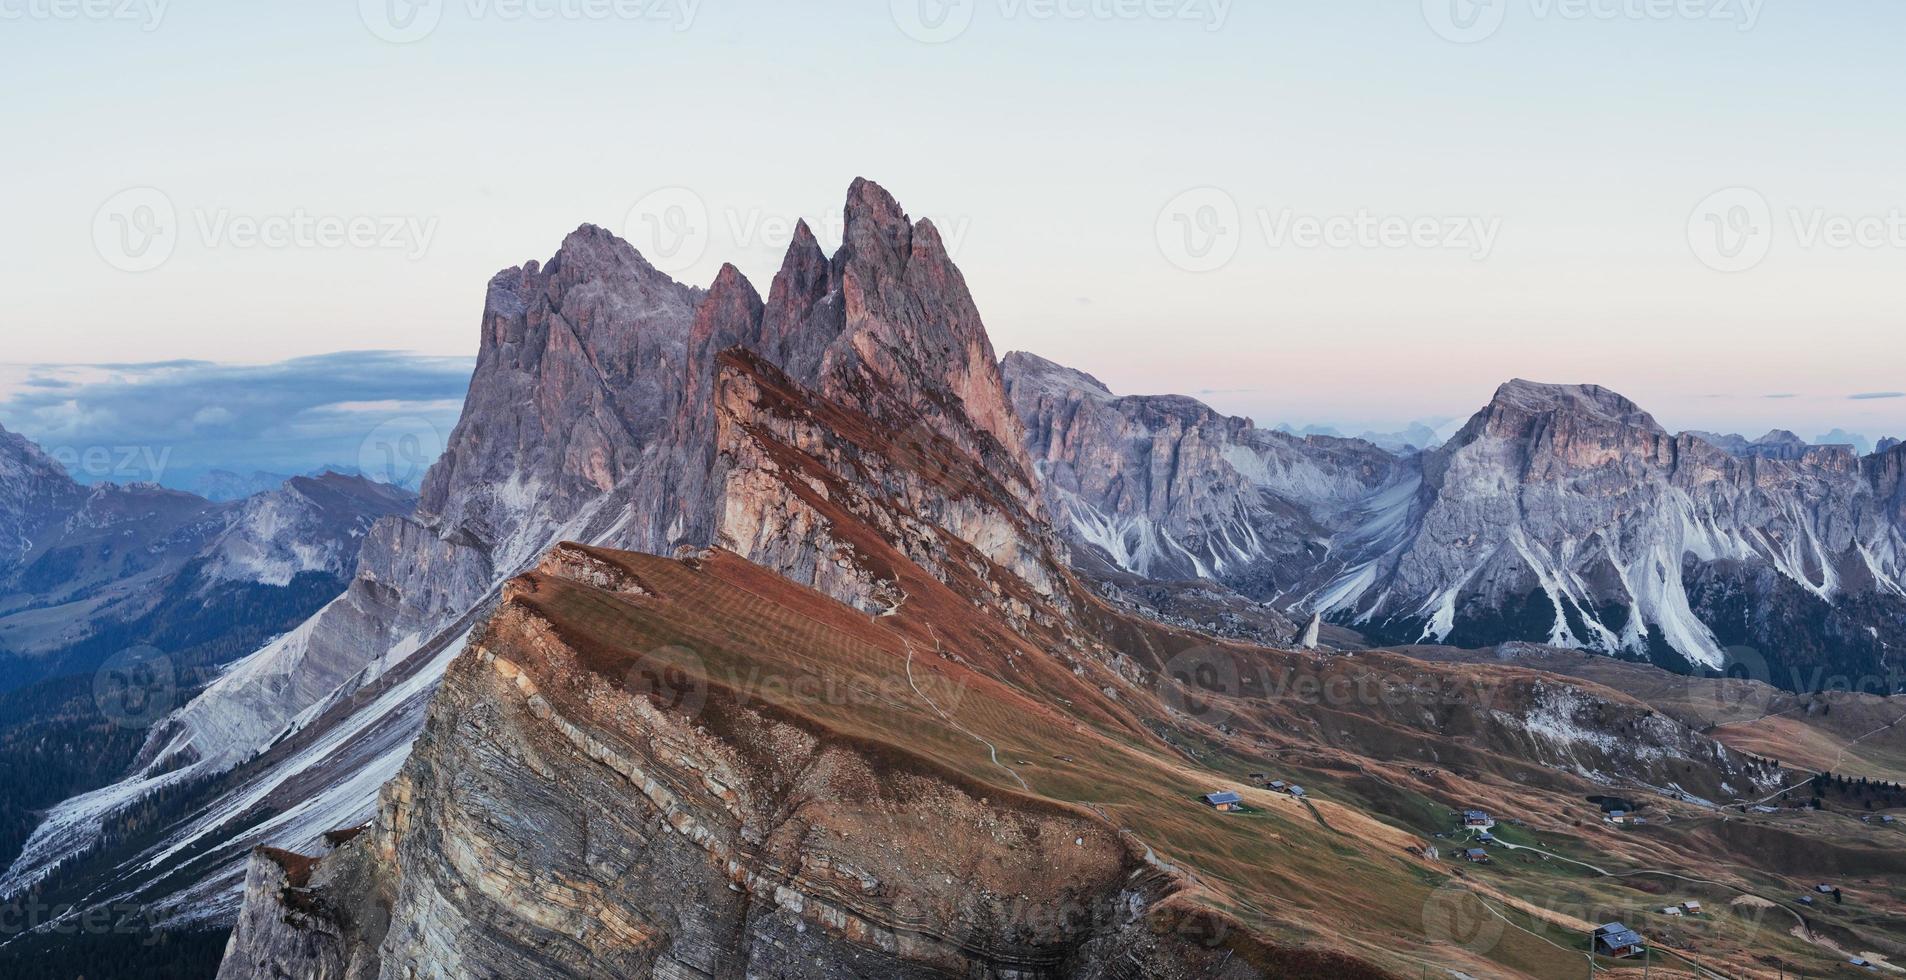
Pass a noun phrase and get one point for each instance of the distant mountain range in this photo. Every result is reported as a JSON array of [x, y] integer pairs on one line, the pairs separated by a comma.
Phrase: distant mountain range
[[83, 563], [1560, 513]]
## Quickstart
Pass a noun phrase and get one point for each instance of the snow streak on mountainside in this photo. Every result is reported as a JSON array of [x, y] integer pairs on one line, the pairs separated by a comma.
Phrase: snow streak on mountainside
[[1560, 514], [1169, 489]]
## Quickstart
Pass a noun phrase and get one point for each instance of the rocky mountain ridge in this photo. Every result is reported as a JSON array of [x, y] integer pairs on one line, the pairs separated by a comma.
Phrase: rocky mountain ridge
[[107, 555], [34, 492], [603, 409], [1560, 513]]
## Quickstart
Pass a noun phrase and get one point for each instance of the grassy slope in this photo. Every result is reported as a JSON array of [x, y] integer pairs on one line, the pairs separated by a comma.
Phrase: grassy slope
[[1336, 872]]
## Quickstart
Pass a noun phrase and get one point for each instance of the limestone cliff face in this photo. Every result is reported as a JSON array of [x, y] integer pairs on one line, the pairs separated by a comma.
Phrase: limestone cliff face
[[862, 393], [1562, 514], [815, 490], [557, 819], [1170, 489], [1566, 514]]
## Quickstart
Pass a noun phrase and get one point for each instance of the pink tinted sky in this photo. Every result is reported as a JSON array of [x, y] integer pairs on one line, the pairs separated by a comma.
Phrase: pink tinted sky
[[1055, 151]]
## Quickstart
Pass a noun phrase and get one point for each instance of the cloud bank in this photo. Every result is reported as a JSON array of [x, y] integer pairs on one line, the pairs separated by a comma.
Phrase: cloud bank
[[384, 413]]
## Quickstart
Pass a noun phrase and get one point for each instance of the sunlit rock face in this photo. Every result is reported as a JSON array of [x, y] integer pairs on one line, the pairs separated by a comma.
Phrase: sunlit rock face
[[1562, 514]]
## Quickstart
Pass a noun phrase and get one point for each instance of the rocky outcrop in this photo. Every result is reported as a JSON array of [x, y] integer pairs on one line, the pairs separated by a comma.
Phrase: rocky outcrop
[[1778, 444], [310, 524], [578, 373], [1565, 514], [605, 408], [107, 558], [560, 818], [1165, 487], [34, 492]]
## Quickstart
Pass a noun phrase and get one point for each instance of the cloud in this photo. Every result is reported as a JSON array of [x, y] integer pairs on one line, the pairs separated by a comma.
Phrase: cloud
[[1783, 395], [1876, 395], [185, 418]]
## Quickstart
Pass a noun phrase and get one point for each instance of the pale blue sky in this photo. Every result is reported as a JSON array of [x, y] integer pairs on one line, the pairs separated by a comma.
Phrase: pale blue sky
[[1048, 146]]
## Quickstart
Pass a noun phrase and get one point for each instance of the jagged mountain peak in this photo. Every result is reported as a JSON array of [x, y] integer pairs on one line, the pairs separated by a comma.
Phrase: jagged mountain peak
[[22, 457], [34, 490], [875, 224], [910, 331], [1023, 367], [1587, 400], [594, 250], [730, 284]]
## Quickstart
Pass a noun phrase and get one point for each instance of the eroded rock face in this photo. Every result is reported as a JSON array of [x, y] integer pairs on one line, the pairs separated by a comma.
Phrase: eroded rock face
[[1167, 488], [600, 412], [34, 491], [554, 821], [578, 377], [1563, 514]]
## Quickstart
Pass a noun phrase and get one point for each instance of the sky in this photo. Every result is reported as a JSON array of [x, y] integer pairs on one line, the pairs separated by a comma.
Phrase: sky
[[382, 414], [1356, 213]]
